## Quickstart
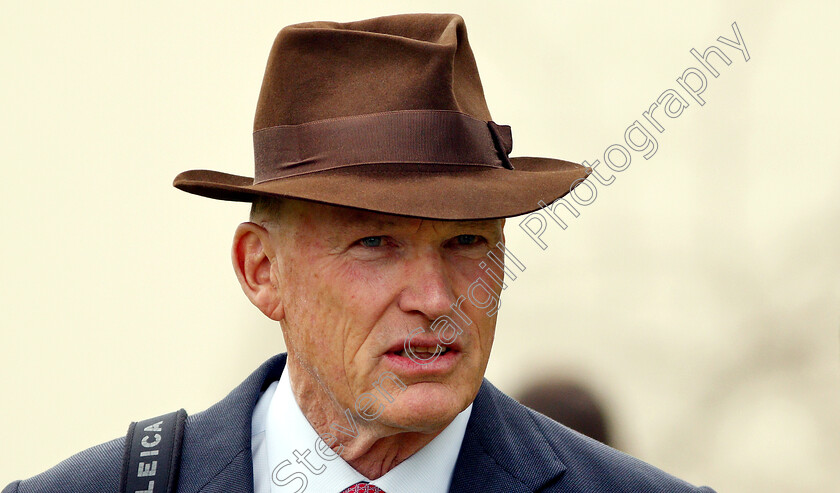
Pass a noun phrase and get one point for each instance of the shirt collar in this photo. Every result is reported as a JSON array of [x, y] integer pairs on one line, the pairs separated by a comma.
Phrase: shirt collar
[[291, 444]]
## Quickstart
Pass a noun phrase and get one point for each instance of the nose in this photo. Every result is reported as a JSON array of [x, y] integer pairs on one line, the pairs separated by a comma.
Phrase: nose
[[428, 286]]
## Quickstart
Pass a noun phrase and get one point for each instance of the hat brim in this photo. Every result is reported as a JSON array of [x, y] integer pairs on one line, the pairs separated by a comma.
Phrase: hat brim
[[421, 190]]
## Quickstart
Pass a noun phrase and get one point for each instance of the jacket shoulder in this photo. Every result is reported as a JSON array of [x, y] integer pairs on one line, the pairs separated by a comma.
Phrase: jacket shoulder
[[95, 470], [216, 447], [535, 453], [594, 466]]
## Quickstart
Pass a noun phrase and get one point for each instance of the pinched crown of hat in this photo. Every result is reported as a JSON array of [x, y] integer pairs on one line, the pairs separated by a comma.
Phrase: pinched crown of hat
[[389, 115]]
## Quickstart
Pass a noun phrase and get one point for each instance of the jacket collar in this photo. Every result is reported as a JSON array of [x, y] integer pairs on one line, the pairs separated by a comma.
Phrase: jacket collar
[[504, 448]]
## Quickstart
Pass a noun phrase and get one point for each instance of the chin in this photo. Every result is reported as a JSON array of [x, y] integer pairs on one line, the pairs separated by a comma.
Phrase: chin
[[425, 407]]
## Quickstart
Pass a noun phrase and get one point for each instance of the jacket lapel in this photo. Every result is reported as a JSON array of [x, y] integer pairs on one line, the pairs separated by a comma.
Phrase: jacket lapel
[[216, 454], [503, 448]]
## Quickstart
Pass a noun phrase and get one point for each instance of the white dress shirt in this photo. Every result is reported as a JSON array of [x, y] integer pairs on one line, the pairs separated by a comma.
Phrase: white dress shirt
[[279, 429]]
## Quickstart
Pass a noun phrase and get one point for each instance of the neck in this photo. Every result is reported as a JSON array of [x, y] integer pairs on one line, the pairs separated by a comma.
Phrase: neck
[[370, 447]]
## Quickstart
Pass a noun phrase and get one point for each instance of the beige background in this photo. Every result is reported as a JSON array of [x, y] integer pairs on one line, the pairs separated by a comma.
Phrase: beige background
[[698, 294]]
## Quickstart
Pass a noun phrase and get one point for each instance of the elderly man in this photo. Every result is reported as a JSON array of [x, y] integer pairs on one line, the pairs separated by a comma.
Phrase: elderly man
[[376, 240]]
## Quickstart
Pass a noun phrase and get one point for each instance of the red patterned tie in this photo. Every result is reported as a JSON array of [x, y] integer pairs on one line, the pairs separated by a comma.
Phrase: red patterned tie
[[363, 488]]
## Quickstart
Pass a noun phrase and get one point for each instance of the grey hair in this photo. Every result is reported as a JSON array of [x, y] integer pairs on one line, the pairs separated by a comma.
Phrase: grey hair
[[266, 209]]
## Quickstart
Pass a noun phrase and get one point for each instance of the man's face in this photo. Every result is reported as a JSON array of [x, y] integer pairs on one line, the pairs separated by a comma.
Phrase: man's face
[[353, 286]]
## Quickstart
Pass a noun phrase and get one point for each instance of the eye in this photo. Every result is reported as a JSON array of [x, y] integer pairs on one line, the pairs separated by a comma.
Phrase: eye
[[371, 241], [466, 240]]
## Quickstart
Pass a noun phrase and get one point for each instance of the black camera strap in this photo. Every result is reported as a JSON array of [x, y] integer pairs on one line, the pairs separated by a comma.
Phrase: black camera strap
[[153, 454]]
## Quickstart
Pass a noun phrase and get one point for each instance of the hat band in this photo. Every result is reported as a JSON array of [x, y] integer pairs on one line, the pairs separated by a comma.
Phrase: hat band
[[410, 136]]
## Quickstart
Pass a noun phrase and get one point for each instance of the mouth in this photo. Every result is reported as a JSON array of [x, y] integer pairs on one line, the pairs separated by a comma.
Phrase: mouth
[[427, 356], [422, 352], [423, 345]]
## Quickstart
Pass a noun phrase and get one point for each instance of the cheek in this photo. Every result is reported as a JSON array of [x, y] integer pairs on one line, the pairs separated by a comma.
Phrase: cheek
[[367, 288], [470, 272], [309, 313], [482, 274], [332, 309]]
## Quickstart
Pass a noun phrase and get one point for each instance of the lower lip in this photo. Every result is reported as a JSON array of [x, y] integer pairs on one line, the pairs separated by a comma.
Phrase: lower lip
[[409, 367]]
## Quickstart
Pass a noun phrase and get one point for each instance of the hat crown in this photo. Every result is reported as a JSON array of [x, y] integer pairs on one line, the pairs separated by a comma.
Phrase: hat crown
[[321, 70], [386, 115]]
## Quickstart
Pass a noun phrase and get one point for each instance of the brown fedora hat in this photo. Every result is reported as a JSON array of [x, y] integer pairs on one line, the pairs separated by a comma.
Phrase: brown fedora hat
[[388, 115]]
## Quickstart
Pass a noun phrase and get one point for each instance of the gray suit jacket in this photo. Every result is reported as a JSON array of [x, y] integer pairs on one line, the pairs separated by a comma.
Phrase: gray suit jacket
[[507, 448]]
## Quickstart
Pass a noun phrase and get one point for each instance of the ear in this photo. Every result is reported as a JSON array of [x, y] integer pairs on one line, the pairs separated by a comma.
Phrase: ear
[[253, 254], [502, 228]]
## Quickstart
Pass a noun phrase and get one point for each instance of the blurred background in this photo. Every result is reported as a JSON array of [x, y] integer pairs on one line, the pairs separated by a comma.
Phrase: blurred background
[[697, 296]]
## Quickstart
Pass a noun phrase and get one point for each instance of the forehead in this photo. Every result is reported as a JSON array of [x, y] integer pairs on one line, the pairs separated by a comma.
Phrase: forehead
[[340, 219]]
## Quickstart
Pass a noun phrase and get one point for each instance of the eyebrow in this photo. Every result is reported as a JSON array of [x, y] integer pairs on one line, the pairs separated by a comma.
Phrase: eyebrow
[[482, 224], [488, 225], [355, 222]]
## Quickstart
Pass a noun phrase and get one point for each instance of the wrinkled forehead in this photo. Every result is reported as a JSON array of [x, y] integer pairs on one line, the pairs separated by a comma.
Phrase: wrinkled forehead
[[337, 219]]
